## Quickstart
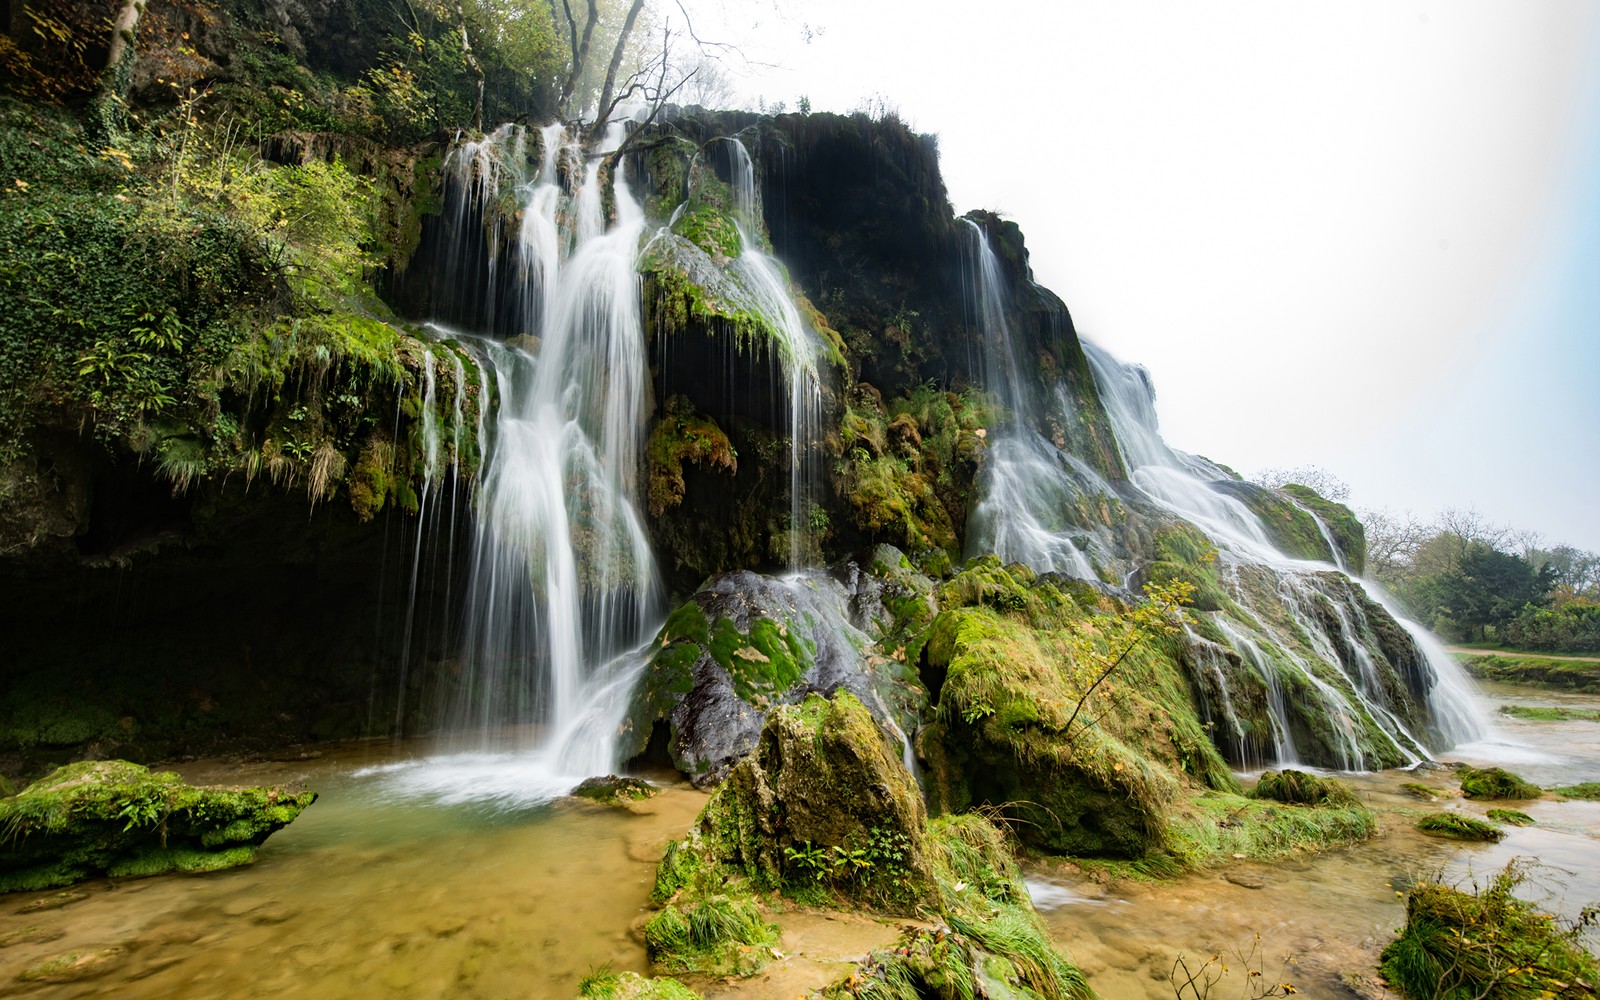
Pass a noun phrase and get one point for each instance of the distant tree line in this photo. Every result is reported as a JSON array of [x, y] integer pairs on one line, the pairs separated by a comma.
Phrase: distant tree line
[[1472, 580]]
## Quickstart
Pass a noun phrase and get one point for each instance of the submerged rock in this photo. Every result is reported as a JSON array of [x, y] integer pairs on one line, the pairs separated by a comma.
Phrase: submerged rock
[[121, 819]]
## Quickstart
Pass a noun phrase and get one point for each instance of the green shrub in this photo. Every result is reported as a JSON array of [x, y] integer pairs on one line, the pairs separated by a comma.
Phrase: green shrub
[[1487, 944]]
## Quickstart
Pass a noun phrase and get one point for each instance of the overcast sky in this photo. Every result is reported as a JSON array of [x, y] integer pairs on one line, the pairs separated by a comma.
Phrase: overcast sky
[[1359, 235]]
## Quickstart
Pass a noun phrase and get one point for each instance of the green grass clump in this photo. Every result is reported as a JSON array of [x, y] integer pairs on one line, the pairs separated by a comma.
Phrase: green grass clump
[[604, 985], [714, 936], [1511, 817], [1486, 943], [1583, 790], [1564, 675], [1299, 788], [1421, 791], [996, 944], [1496, 783], [1459, 826], [1550, 713]]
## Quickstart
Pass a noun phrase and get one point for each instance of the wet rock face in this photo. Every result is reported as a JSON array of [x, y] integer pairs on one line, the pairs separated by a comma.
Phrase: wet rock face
[[742, 646], [120, 819]]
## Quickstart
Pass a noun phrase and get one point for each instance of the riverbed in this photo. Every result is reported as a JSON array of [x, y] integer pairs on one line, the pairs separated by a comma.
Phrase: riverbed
[[381, 890]]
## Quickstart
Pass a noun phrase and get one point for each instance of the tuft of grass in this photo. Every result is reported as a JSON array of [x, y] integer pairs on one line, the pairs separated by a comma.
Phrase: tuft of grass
[[1485, 942], [1510, 817], [1300, 788], [603, 984], [1583, 790], [1421, 791], [715, 936], [1459, 827], [1496, 783], [1550, 713]]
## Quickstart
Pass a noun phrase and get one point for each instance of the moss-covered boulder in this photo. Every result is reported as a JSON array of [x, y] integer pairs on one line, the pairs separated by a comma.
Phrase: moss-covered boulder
[[823, 807], [1077, 718], [1459, 826], [988, 942], [1301, 788], [121, 819], [745, 644], [614, 790], [1496, 783], [632, 986]]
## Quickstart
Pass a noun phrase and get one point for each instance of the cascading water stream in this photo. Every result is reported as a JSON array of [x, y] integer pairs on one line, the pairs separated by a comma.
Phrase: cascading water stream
[[563, 594], [1031, 486], [798, 348], [1028, 483]]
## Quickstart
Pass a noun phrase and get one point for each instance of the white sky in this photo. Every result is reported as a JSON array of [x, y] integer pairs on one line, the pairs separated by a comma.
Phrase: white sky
[[1361, 235]]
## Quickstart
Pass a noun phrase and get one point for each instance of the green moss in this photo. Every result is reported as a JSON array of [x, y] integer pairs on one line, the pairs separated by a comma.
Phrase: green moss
[[1219, 826], [1290, 524], [613, 790], [632, 986], [1459, 827], [1300, 788], [1496, 783], [1534, 671], [682, 435], [711, 230], [1341, 522], [766, 661], [1183, 553], [1585, 790], [714, 935], [996, 944], [1421, 791], [1485, 942], [1550, 713], [1510, 817], [119, 818]]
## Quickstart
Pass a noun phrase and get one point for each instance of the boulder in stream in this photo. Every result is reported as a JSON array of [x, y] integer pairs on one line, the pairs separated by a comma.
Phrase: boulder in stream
[[115, 818]]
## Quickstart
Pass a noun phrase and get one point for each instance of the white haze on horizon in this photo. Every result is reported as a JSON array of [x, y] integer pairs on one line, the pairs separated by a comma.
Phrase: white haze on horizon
[[1360, 235]]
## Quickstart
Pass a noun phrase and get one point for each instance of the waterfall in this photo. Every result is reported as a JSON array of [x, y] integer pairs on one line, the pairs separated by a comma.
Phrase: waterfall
[[563, 594], [1028, 483], [1304, 677], [798, 350]]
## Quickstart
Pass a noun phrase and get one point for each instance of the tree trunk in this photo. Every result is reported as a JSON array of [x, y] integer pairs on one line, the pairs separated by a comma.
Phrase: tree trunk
[[604, 107], [580, 55], [119, 63], [472, 64]]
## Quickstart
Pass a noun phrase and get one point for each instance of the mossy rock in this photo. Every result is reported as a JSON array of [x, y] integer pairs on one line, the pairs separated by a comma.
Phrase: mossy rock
[[744, 645], [1341, 522], [1292, 527], [1089, 770], [1496, 783], [1459, 826], [823, 807], [991, 942], [1300, 788], [612, 789], [117, 818]]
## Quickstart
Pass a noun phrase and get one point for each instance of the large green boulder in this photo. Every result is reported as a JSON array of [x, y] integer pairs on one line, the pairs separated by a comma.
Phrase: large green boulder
[[823, 807], [120, 819]]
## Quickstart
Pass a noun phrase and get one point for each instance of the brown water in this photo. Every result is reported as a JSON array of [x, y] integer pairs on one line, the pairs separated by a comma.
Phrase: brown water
[[369, 894]]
